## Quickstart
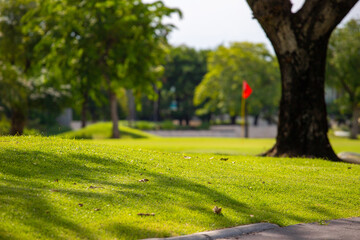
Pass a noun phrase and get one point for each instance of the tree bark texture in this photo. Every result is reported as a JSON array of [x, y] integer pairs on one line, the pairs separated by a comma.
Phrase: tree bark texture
[[18, 121], [300, 42], [115, 133], [84, 108], [114, 115], [131, 106], [355, 122]]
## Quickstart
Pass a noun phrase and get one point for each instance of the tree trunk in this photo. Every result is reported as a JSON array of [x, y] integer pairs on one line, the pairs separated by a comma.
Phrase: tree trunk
[[300, 42], [18, 120], [355, 122], [115, 133], [187, 120], [233, 120], [302, 128], [131, 105], [256, 119], [114, 115], [84, 107]]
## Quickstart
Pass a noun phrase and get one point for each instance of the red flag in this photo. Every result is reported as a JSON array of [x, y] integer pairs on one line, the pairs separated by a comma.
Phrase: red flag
[[246, 90]]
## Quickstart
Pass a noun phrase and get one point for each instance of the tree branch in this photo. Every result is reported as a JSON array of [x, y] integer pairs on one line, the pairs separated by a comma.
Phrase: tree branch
[[319, 17], [274, 17]]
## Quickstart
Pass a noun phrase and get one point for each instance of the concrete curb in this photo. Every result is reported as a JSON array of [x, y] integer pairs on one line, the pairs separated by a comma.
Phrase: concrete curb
[[350, 157], [223, 233]]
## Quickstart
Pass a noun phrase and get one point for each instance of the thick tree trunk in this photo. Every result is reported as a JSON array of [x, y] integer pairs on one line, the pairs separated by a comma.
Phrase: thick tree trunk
[[355, 122], [18, 121], [300, 41], [302, 128]]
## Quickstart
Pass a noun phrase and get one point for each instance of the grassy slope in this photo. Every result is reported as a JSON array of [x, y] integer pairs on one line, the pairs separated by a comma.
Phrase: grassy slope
[[181, 191], [226, 146], [103, 131]]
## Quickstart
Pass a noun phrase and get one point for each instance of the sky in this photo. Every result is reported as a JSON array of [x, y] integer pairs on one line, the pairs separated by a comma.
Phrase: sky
[[207, 24]]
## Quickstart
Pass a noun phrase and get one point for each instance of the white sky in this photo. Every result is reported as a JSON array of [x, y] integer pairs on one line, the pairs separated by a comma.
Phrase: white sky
[[210, 23]]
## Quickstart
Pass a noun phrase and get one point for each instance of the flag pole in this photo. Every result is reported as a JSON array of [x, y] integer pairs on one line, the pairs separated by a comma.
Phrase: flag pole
[[243, 121], [245, 94]]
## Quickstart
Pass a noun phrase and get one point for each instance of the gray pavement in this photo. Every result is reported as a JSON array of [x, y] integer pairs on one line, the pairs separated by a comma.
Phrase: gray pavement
[[347, 229], [231, 131]]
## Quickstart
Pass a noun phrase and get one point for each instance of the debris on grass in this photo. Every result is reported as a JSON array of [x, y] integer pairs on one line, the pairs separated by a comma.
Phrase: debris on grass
[[93, 187], [217, 210], [146, 214]]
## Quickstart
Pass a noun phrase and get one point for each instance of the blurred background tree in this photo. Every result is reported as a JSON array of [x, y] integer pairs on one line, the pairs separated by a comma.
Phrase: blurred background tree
[[22, 87], [221, 88], [343, 71], [107, 45], [184, 69]]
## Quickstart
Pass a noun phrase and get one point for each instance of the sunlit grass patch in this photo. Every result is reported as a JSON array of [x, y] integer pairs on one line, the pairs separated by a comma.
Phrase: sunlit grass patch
[[102, 130], [52, 188]]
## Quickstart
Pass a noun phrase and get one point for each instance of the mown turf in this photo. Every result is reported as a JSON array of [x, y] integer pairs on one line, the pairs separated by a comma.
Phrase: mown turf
[[102, 130], [51, 188]]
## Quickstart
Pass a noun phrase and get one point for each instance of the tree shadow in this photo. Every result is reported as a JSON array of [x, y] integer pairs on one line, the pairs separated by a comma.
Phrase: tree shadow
[[35, 172]]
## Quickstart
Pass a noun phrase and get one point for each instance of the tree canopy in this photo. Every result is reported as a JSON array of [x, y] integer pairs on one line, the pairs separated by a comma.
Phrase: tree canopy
[[185, 67], [228, 67], [343, 68], [109, 44]]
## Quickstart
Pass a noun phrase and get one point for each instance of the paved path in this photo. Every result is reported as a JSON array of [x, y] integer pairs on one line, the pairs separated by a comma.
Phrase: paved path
[[221, 131], [347, 229]]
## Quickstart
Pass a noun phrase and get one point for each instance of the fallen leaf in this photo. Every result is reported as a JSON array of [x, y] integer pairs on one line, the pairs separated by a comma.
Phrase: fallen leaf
[[146, 214], [97, 209], [144, 180], [211, 158], [217, 210], [209, 182], [224, 159], [187, 157], [93, 187], [54, 190]]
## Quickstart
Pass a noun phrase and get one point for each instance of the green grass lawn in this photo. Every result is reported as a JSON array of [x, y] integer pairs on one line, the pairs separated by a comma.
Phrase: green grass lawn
[[102, 130], [53, 188]]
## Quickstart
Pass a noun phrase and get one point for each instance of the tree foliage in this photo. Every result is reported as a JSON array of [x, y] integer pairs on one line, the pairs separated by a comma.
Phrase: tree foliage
[[185, 67], [221, 88], [21, 86], [108, 44], [343, 68]]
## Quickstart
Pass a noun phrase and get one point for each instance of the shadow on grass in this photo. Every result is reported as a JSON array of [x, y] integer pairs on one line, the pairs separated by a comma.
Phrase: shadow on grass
[[35, 172]]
